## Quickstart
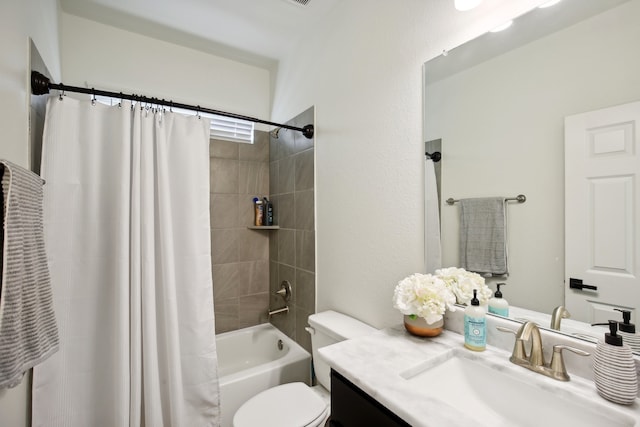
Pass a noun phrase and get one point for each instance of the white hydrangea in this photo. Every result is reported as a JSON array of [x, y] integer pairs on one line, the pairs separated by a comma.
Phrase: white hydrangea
[[424, 295], [463, 282]]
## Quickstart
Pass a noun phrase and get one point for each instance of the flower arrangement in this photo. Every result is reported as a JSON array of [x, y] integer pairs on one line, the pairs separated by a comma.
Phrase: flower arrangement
[[430, 295], [463, 282], [423, 295]]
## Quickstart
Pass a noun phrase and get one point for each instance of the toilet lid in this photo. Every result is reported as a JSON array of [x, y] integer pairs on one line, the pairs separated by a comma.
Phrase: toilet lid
[[287, 405]]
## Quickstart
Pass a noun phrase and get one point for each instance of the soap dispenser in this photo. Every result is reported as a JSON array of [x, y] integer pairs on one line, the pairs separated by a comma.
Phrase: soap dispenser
[[614, 368], [497, 304], [627, 331], [475, 325]]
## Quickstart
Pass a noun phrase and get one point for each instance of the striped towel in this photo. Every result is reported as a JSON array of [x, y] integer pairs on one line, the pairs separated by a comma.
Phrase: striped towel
[[28, 330]]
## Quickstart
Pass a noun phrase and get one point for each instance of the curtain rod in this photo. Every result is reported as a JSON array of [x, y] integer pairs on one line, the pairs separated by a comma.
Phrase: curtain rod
[[41, 85]]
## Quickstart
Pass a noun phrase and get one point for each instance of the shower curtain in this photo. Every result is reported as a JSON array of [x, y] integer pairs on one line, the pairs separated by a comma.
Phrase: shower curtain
[[127, 232]]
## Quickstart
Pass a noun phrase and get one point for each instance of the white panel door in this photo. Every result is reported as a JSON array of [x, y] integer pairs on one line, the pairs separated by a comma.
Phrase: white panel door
[[602, 213]]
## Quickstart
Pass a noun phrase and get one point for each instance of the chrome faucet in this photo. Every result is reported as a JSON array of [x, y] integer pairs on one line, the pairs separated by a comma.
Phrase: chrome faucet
[[559, 313], [529, 331]]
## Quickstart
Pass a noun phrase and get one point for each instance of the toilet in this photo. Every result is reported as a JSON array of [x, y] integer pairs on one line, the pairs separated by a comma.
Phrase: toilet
[[296, 404]]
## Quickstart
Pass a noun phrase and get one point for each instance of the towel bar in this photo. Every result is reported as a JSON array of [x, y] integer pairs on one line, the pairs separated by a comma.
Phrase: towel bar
[[520, 198]]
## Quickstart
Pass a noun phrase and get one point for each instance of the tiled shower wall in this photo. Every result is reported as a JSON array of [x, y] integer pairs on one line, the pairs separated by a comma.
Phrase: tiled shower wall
[[292, 247], [240, 257], [249, 265]]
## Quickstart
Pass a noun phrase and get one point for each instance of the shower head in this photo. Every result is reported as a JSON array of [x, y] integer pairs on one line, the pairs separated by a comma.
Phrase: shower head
[[274, 133]]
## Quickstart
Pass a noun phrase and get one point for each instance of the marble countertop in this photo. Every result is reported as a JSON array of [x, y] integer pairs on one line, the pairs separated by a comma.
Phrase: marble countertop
[[374, 364]]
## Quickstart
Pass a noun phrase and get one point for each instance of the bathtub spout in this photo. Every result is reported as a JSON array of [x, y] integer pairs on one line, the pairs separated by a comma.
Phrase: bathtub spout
[[285, 309]]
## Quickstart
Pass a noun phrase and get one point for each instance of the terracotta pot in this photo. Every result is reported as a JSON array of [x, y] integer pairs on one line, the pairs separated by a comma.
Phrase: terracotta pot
[[421, 328]]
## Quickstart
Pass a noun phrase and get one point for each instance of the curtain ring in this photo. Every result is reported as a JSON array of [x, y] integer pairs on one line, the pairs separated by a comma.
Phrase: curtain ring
[[61, 92], [93, 96]]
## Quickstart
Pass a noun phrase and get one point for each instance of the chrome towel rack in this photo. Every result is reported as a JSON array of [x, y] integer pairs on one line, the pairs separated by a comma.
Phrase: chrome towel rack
[[520, 198]]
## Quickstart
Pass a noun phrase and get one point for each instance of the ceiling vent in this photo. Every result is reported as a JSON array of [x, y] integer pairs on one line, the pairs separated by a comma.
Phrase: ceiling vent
[[300, 2]]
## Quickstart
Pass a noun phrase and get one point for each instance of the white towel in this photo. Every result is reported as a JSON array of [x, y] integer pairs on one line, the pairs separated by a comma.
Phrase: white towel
[[28, 330], [483, 236]]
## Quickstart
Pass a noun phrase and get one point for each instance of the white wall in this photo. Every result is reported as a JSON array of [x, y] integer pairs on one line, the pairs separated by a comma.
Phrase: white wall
[[19, 21], [109, 58], [362, 72], [502, 125]]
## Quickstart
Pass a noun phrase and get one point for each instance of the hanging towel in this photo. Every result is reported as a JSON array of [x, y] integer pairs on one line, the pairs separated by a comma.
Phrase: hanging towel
[[483, 236], [28, 330]]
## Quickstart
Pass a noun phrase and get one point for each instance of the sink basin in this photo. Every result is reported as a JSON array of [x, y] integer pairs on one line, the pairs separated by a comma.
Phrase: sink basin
[[497, 396]]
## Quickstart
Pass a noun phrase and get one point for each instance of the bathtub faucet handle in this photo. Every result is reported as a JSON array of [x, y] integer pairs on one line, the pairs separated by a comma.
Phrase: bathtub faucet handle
[[285, 290]]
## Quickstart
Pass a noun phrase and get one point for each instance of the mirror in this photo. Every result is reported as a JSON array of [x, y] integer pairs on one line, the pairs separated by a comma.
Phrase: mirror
[[498, 103]]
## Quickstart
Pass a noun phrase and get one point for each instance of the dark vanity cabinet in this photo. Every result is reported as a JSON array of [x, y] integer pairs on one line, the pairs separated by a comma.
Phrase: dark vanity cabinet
[[352, 407]]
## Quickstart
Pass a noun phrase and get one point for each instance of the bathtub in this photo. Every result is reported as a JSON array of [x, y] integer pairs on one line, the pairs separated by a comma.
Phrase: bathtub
[[254, 359]]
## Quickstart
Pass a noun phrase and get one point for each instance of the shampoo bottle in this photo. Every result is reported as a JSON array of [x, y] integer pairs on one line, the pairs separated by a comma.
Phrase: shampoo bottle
[[497, 304], [627, 331], [268, 212], [614, 369], [258, 212], [475, 325]]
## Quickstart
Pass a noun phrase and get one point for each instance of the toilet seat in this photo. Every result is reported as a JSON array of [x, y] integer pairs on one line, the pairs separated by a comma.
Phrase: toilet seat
[[287, 405]]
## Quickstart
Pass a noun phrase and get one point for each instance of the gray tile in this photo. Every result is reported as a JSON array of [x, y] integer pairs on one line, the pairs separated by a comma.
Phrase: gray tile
[[273, 276], [301, 120], [304, 179], [274, 149], [274, 188], [226, 315], [283, 210], [223, 149], [306, 290], [303, 143], [304, 210], [224, 211], [286, 143], [286, 175], [224, 246], [286, 272], [273, 246], [253, 245], [224, 176], [286, 247], [305, 250], [286, 323], [253, 277], [253, 309], [253, 178], [258, 151], [225, 281], [246, 210]]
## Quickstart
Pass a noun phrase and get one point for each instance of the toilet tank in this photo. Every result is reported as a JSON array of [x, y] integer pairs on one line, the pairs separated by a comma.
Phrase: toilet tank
[[330, 327]]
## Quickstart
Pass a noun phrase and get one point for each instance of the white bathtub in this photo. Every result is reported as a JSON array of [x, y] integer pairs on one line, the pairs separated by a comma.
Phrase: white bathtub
[[249, 361]]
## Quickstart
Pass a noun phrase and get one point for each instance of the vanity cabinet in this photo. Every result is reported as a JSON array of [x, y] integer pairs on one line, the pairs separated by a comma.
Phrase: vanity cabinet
[[352, 407]]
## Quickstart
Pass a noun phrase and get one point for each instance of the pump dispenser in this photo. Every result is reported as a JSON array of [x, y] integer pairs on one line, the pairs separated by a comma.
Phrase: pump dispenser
[[497, 304], [475, 325], [628, 330], [614, 368]]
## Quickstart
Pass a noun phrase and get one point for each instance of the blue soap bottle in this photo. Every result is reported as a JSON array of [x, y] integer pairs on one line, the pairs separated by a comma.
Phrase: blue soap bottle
[[475, 325], [497, 304]]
